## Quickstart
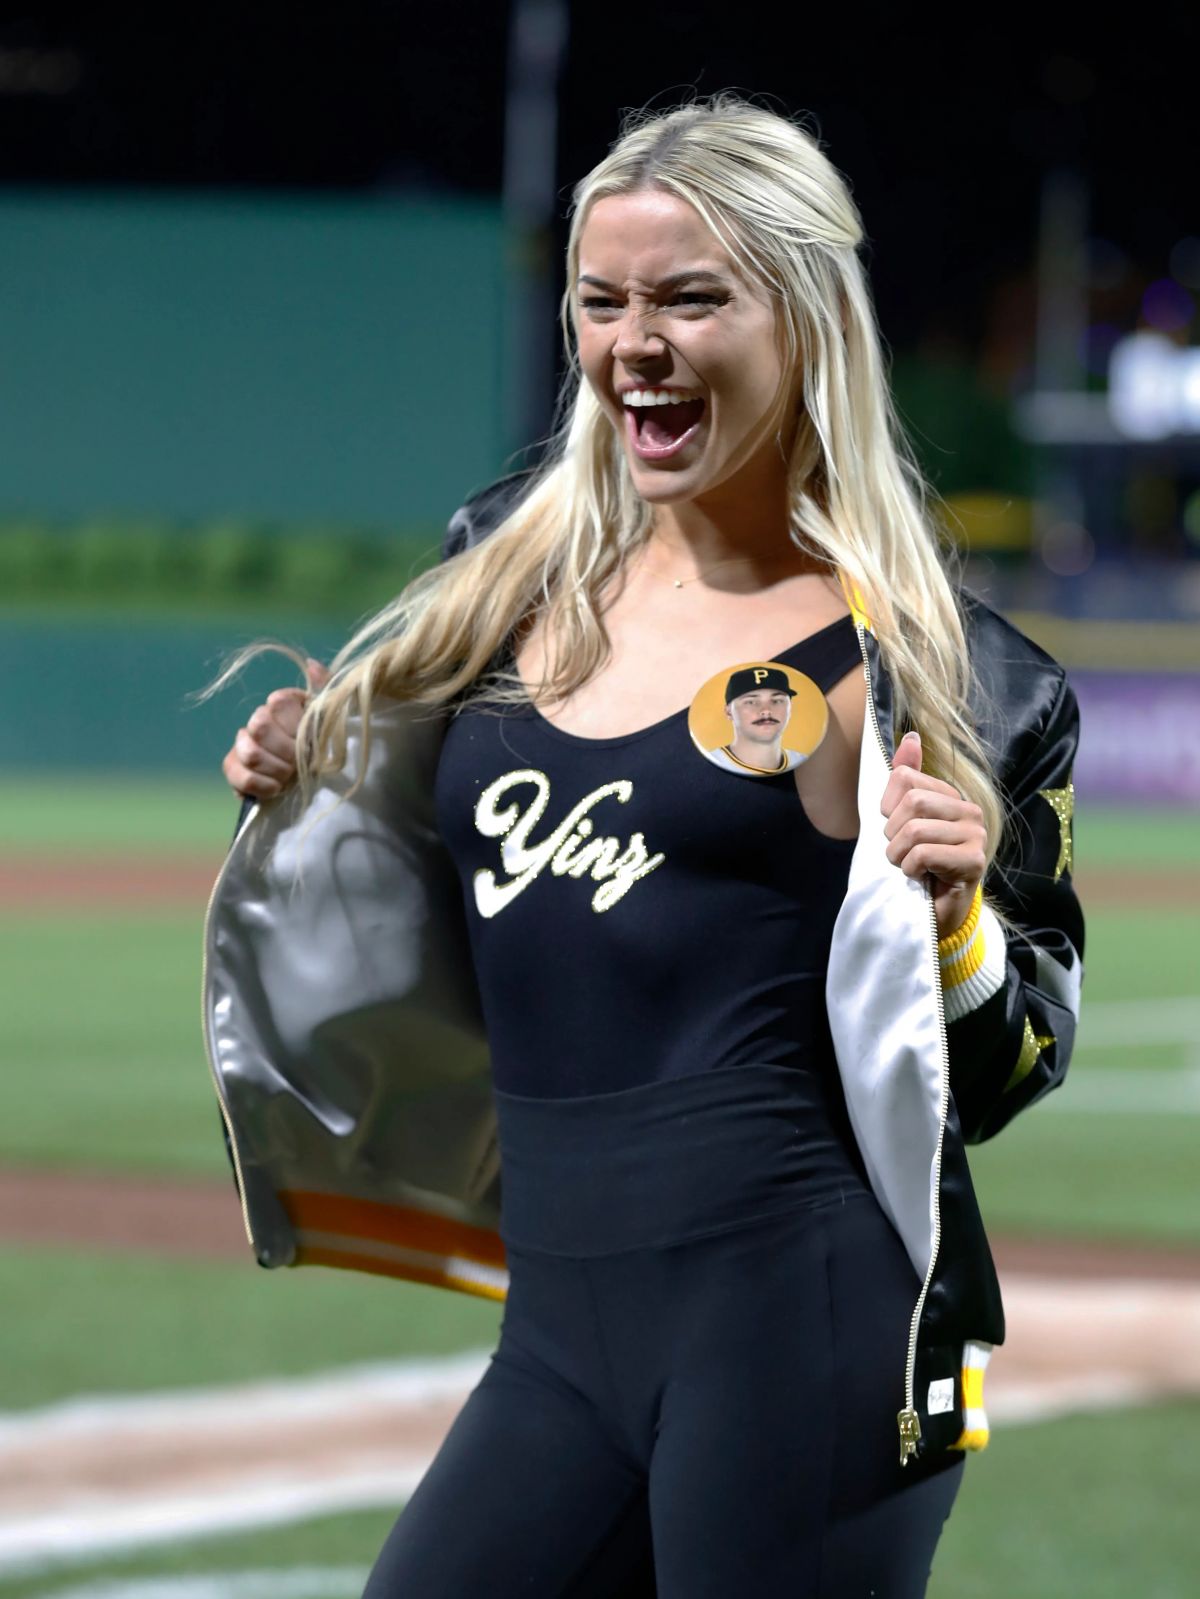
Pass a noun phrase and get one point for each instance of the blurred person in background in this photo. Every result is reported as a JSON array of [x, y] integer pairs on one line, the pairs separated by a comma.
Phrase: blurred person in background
[[682, 1059]]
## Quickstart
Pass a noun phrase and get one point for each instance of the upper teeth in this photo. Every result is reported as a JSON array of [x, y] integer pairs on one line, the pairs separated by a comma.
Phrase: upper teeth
[[658, 396]]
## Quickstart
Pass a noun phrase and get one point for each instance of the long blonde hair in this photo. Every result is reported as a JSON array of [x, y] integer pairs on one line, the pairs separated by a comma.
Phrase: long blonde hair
[[857, 498]]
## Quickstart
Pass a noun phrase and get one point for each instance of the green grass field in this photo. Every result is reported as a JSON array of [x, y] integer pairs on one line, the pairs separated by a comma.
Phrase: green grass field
[[98, 815], [104, 1070]]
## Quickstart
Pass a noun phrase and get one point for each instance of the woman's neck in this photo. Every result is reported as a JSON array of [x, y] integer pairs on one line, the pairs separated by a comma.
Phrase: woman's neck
[[741, 534]]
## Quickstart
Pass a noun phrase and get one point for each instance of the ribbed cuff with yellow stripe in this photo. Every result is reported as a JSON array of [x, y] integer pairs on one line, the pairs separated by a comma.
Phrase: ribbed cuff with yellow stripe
[[975, 1431], [972, 960]]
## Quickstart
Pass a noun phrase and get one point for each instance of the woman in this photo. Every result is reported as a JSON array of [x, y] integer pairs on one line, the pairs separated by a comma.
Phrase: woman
[[734, 1020]]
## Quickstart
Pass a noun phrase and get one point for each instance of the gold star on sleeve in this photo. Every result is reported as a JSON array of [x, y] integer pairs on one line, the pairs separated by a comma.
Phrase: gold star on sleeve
[[1032, 1045], [1062, 802]]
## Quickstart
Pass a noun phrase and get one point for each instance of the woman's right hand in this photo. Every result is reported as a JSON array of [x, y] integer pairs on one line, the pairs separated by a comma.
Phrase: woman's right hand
[[262, 760]]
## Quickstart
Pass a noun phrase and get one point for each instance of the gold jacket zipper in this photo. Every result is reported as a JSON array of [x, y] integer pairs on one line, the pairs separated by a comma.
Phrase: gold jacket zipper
[[208, 1049], [907, 1419]]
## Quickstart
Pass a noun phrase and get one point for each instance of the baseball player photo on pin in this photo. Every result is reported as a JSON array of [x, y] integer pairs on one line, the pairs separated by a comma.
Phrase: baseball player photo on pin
[[759, 719]]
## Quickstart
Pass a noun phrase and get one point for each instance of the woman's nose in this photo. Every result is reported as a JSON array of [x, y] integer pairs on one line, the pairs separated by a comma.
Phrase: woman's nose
[[635, 341]]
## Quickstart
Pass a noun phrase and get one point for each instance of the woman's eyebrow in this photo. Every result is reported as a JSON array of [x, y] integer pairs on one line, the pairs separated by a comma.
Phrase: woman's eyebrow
[[674, 281]]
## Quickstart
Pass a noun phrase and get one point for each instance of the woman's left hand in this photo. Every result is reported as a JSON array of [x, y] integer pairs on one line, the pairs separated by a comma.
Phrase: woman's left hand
[[933, 829]]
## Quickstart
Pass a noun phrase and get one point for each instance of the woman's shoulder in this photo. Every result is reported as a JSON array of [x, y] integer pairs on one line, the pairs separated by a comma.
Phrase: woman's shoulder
[[990, 634]]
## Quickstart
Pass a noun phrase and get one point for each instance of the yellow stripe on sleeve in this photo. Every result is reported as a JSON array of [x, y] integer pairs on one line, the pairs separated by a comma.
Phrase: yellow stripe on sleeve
[[976, 1432], [959, 968], [962, 936]]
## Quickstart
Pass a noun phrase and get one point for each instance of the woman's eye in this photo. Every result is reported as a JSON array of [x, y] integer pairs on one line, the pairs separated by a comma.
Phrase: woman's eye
[[596, 304]]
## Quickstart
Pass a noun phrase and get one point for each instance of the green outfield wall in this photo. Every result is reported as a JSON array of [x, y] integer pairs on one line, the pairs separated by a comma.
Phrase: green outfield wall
[[298, 357], [116, 696]]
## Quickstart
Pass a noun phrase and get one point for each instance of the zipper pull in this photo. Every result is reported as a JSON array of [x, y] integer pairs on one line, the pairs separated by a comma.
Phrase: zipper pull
[[910, 1432]]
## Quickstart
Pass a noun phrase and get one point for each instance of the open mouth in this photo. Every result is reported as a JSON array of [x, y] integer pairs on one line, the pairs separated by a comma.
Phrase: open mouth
[[656, 430]]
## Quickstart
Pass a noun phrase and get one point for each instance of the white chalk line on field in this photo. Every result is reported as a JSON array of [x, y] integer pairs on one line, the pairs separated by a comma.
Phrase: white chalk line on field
[[85, 1529], [1128, 1024], [217, 1408], [1121, 1022], [1145, 1091], [295, 1582], [96, 1476], [93, 1478]]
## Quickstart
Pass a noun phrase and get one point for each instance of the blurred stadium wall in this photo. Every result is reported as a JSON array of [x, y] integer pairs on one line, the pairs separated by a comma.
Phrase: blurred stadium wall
[[196, 355], [222, 415]]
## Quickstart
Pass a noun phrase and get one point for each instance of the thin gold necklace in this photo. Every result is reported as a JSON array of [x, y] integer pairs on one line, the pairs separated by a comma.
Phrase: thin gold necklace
[[679, 582]]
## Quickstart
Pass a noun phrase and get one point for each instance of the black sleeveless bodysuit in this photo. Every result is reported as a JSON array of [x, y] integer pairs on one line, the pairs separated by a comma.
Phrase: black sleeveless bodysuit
[[694, 1247], [636, 911]]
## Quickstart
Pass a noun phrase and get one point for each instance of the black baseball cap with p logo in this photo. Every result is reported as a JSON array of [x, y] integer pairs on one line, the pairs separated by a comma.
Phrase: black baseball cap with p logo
[[753, 677]]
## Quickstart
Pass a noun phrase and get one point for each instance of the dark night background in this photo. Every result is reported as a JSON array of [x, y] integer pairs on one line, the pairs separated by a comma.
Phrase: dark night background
[[951, 131], [943, 126]]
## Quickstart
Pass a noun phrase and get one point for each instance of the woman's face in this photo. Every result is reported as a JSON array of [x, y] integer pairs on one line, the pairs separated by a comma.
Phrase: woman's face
[[663, 310]]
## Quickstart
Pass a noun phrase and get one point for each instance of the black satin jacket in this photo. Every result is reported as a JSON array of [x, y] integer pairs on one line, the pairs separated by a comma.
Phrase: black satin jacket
[[345, 1041]]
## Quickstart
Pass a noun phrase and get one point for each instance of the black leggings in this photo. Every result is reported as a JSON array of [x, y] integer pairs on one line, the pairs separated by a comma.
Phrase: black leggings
[[698, 1400]]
